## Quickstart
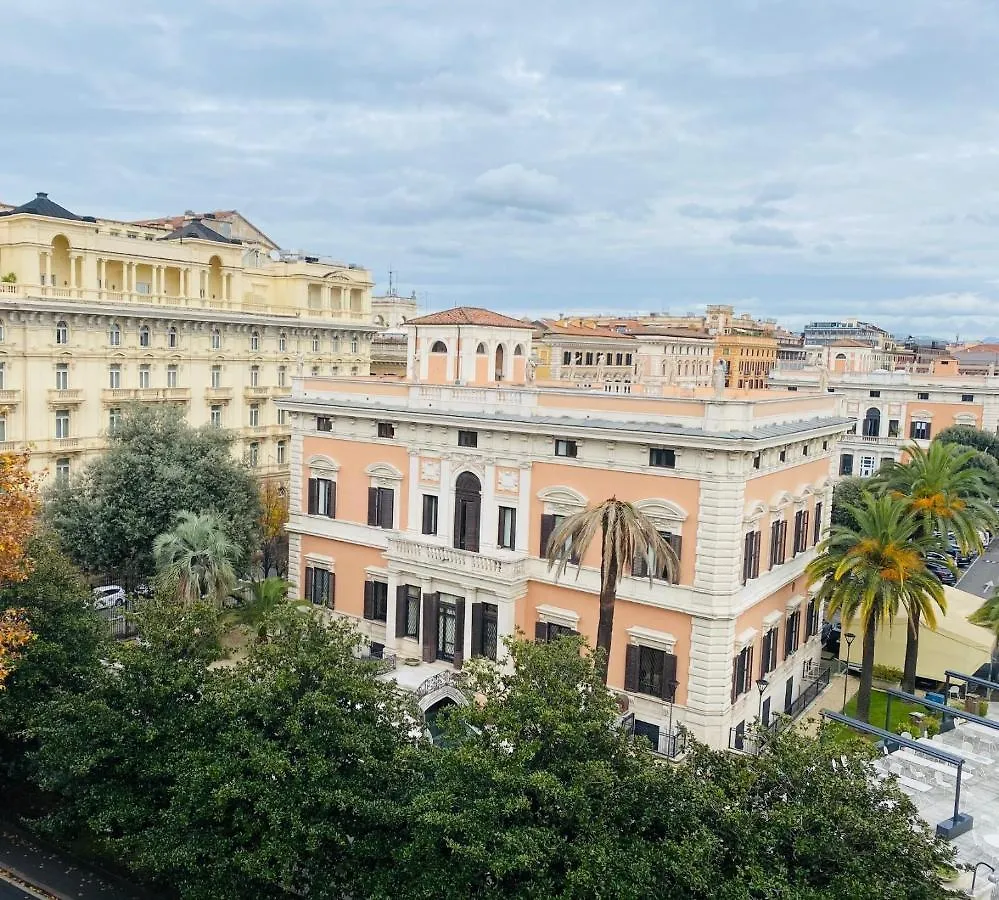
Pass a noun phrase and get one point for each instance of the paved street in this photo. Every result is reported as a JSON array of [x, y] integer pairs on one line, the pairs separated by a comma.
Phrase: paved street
[[983, 575], [10, 891]]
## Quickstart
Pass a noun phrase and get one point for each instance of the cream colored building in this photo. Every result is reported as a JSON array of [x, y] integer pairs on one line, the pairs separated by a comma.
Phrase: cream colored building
[[96, 314]]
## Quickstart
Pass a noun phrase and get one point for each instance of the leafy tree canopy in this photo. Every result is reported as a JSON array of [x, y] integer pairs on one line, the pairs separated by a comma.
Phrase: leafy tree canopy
[[848, 492], [155, 466], [971, 437]]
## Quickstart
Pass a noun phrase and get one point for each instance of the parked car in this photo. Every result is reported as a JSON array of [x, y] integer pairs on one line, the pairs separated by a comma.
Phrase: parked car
[[943, 574], [831, 632], [108, 596]]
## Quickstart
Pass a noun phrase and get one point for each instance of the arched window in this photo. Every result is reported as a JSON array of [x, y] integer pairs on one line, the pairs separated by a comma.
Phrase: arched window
[[216, 339], [467, 512], [439, 347], [315, 342], [172, 337], [282, 342], [481, 350], [353, 343], [254, 339], [144, 336], [500, 363], [62, 332], [114, 335], [518, 350], [872, 422]]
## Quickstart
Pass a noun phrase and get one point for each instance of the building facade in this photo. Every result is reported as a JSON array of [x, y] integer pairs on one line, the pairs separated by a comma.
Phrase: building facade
[[97, 314], [890, 410], [748, 359], [421, 511], [589, 357], [847, 329]]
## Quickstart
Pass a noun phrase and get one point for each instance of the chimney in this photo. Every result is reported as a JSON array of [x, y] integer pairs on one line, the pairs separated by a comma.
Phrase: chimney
[[42, 195]]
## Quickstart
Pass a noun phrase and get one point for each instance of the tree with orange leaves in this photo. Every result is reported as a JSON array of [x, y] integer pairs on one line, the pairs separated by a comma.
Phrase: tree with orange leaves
[[14, 637], [273, 518], [18, 508]]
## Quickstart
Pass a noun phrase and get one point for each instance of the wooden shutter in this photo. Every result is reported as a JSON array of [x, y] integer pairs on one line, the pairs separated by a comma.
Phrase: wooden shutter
[[428, 521], [676, 542], [631, 652], [331, 590], [748, 674], [401, 603], [459, 633], [541, 632], [788, 636], [735, 678], [797, 532], [669, 674], [308, 583], [547, 527], [476, 648], [817, 527], [386, 507], [804, 530], [473, 519], [331, 499], [430, 627], [369, 600], [313, 496], [372, 506]]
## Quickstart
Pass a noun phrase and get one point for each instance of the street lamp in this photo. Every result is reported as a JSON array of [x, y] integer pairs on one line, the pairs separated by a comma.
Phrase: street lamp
[[761, 685], [672, 684], [850, 638]]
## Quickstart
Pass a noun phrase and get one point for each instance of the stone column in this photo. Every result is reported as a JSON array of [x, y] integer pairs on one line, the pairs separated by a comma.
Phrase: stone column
[[415, 507], [445, 503], [709, 680], [391, 638], [489, 515], [471, 596]]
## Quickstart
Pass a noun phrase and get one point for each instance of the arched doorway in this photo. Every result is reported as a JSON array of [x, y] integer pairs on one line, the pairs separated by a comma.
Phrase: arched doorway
[[500, 363], [215, 278], [431, 715], [467, 512], [60, 268], [872, 422]]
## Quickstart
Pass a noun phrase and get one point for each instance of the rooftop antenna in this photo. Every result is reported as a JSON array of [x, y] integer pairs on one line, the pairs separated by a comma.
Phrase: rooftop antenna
[[391, 292]]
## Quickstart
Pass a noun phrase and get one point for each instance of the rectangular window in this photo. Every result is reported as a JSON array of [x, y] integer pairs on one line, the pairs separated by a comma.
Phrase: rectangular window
[[967, 398], [893, 428], [549, 525], [812, 618], [485, 630], [662, 458], [381, 507], [386, 430], [282, 417], [627, 359], [768, 659], [751, 556], [322, 497], [254, 376], [320, 586], [172, 338], [868, 466], [923, 395], [566, 358], [408, 611], [143, 377], [114, 377], [642, 564], [375, 601], [254, 454], [324, 423], [846, 464], [742, 672], [3, 427], [216, 415], [216, 377], [875, 393], [114, 420], [792, 633], [778, 542], [782, 456], [565, 448], [254, 415], [800, 532], [756, 461], [62, 470], [62, 377], [577, 358], [817, 525], [282, 452], [468, 438], [546, 632], [282, 376], [589, 359], [919, 430], [171, 376], [62, 423], [507, 537], [430, 503]]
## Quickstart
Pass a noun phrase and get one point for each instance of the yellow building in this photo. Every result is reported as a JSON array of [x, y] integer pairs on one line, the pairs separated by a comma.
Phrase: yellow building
[[748, 358], [205, 312]]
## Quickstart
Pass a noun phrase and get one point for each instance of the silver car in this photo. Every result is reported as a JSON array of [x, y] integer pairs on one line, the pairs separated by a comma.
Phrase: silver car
[[108, 596]]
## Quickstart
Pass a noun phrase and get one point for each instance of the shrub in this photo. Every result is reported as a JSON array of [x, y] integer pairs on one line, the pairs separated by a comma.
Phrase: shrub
[[932, 725], [888, 674]]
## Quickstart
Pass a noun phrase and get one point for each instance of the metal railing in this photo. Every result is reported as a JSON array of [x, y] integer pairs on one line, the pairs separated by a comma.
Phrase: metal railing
[[387, 662], [443, 679]]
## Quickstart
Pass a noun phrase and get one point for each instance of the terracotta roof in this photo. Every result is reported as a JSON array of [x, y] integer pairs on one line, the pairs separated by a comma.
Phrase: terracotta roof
[[470, 315], [579, 330]]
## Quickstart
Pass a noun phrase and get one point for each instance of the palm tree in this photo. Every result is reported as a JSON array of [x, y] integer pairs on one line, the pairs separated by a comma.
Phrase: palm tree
[[869, 571], [194, 560], [945, 494], [626, 534], [987, 615]]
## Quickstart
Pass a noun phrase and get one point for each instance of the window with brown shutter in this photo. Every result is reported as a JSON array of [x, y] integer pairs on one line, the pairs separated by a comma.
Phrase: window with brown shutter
[[817, 525], [430, 604], [430, 507], [322, 497], [381, 502], [376, 601], [407, 611], [751, 556], [640, 564]]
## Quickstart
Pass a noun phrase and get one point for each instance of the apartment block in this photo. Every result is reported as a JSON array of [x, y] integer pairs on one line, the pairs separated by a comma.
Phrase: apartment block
[[421, 510], [96, 314]]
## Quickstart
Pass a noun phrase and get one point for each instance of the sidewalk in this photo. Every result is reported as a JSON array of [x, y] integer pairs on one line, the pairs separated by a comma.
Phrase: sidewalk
[[830, 698], [52, 874]]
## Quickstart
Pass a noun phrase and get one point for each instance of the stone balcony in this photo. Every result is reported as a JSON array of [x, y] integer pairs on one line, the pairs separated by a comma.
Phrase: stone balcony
[[10, 397], [218, 395], [257, 392], [500, 565], [72, 397]]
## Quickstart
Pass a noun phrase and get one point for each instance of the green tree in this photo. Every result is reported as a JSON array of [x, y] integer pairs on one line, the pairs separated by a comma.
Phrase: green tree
[[945, 495], [966, 436], [194, 559], [626, 535], [872, 570], [847, 493], [155, 467]]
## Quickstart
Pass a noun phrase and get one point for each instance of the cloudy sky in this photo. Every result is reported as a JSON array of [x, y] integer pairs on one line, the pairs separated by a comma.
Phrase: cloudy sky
[[799, 159]]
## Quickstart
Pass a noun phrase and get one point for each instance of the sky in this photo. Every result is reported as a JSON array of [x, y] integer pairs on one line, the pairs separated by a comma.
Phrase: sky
[[799, 160]]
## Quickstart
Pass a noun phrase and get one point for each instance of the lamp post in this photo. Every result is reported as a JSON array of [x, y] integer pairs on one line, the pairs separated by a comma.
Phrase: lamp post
[[672, 684], [850, 637], [761, 685]]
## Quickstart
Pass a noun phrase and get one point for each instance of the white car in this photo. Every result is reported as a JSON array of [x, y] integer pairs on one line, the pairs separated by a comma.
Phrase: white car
[[108, 596]]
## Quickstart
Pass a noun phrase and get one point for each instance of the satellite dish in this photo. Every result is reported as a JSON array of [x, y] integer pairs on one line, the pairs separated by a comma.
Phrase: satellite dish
[[275, 255]]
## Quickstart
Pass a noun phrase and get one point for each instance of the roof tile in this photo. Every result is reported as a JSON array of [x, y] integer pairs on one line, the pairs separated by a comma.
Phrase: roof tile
[[470, 315]]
